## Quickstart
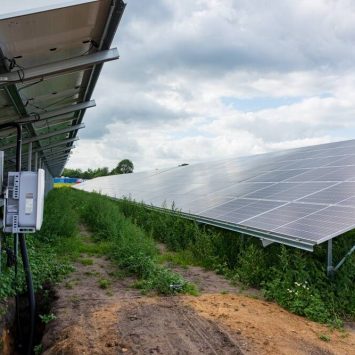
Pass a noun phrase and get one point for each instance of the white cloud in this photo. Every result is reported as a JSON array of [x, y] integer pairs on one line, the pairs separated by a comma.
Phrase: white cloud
[[163, 102]]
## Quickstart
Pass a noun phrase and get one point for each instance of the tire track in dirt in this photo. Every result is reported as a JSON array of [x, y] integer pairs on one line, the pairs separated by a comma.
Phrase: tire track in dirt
[[166, 326]]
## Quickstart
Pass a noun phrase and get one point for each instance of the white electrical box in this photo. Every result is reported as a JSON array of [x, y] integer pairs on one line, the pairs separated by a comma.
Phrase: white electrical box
[[24, 201]]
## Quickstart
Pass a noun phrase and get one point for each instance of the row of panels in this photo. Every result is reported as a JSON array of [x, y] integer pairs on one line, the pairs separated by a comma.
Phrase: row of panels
[[303, 194]]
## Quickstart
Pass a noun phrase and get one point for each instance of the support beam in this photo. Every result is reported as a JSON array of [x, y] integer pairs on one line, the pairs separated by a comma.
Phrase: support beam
[[53, 162], [36, 161], [29, 159], [47, 135], [53, 69], [62, 160], [59, 112], [58, 150], [341, 262], [52, 95], [50, 146], [61, 163], [330, 268], [46, 147], [58, 153], [53, 122], [54, 154], [266, 242]]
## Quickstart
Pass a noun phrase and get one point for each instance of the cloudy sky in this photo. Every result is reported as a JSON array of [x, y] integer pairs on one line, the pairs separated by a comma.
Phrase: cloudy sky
[[206, 79]]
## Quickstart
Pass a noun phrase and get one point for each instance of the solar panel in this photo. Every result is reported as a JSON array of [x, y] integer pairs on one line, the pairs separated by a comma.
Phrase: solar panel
[[299, 197], [58, 53]]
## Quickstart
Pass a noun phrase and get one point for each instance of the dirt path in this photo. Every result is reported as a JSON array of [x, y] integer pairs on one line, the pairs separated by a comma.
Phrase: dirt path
[[118, 319]]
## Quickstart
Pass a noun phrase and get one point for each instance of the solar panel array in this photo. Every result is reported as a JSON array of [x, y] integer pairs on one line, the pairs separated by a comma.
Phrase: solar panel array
[[300, 197], [50, 61]]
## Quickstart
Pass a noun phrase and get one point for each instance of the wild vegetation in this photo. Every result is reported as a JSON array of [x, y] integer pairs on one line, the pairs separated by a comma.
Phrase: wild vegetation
[[295, 279], [127, 232], [53, 249]]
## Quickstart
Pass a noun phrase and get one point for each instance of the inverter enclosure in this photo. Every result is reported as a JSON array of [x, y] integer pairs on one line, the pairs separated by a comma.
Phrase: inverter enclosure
[[24, 201]]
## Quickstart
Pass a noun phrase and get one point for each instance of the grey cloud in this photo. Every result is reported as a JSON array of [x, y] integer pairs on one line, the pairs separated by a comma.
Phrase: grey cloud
[[196, 44], [280, 36], [135, 108]]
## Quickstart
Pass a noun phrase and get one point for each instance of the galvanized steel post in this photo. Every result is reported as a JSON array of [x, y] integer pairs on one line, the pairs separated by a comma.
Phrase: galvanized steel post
[[29, 162], [330, 268], [36, 162]]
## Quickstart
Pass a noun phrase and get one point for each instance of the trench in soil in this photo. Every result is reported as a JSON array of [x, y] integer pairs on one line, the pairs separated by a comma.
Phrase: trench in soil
[[15, 330]]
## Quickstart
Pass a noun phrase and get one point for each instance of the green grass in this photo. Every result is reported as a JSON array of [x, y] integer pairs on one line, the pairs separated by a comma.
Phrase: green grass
[[104, 283], [46, 318], [131, 249], [54, 249], [183, 258], [86, 261], [324, 337]]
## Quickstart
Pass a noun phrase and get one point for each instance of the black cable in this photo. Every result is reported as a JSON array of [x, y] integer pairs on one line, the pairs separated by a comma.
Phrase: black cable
[[31, 84], [93, 44], [30, 291], [13, 64], [18, 141]]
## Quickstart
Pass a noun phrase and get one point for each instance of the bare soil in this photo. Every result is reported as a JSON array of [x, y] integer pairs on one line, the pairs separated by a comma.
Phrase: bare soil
[[118, 319]]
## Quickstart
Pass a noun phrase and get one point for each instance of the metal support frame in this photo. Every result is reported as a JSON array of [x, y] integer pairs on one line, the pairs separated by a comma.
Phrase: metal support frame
[[64, 66], [45, 136], [55, 153], [59, 112], [59, 151], [58, 144], [44, 148], [52, 95], [266, 242], [36, 162], [29, 160], [330, 268], [53, 124], [59, 163], [52, 164], [57, 157]]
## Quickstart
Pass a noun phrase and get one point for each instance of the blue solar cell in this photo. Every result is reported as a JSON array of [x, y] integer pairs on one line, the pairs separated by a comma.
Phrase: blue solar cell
[[253, 209], [333, 194], [277, 175]]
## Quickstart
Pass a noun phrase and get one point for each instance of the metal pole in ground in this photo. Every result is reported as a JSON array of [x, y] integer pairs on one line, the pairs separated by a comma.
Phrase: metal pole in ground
[[29, 160], [330, 268], [36, 162]]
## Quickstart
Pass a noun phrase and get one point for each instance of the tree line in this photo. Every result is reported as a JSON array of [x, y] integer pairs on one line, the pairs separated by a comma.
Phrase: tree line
[[125, 166]]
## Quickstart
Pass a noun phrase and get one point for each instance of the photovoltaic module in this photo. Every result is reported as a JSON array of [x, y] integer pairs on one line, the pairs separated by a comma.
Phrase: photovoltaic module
[[299, 197]]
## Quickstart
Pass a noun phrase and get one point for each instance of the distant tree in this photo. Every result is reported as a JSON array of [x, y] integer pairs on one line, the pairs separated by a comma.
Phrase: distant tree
[[74, 173], [125, 166], [101, 172]]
